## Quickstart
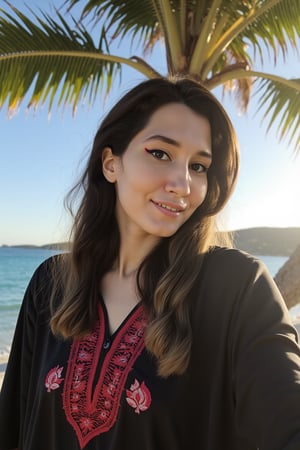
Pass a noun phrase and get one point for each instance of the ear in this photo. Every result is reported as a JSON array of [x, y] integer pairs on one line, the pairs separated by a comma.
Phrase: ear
[[109, 165]]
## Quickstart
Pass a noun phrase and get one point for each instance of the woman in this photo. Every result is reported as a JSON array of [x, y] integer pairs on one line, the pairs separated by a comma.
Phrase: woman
[[148, 335]]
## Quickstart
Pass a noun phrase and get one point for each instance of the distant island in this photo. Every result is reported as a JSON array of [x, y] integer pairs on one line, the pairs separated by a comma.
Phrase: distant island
[[267, 241], [258, 241], [55, 246]]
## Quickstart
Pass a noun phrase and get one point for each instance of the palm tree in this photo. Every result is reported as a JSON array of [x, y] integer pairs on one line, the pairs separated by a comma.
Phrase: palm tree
[[214, 41]]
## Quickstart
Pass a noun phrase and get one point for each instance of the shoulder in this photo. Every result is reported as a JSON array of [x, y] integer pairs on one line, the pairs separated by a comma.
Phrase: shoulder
[[45, 272], [232, 278], [44, 280], [236, 291], [241, 282], [222, 262]]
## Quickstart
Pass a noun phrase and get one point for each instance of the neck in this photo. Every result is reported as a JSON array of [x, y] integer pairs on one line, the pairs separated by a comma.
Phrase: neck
[[132, 253]]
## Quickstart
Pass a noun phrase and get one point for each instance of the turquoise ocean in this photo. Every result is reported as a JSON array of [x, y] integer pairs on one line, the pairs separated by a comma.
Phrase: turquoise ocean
[[16, 268]]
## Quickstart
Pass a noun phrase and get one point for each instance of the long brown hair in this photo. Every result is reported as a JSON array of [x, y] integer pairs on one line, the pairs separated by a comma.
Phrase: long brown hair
[[166, 276]]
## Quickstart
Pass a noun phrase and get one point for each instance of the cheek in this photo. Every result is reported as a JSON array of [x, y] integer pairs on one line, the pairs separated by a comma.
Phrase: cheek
[[145, 180], [200, 194]]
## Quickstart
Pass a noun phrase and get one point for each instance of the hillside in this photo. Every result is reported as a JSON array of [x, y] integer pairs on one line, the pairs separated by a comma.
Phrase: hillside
[[258, 241], [267, 241]]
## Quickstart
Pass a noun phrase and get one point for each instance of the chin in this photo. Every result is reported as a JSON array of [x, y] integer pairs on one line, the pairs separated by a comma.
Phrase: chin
[[166, 233]]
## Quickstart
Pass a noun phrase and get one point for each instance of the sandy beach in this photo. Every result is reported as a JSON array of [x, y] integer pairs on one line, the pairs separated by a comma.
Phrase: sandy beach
[[3, 362]]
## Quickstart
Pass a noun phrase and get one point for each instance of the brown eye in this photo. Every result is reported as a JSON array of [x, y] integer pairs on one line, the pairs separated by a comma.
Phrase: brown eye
[[199, 168], [158, 154]]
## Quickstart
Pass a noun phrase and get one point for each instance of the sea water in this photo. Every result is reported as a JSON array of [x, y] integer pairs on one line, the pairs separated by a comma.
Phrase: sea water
[[16, 268], [17, 265]]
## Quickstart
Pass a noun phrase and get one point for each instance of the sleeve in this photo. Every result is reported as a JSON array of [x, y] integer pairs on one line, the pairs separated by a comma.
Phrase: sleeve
[[265, 366], [13, 396]]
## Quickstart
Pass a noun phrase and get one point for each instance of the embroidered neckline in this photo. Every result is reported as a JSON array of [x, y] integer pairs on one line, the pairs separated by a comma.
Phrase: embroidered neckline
[[89, 412]]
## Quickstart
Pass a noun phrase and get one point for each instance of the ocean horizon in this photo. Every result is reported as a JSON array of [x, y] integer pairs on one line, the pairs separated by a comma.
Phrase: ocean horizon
[[17, 265]]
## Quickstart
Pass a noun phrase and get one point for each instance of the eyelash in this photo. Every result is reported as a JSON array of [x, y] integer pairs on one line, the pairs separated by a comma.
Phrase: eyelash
[[155, 152]]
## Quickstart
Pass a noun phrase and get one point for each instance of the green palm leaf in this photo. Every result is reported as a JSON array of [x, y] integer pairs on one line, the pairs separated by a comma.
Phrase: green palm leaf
[[50, 58], [123, 18], [281, 103], [274, 30], [214, 41], [269, 24]]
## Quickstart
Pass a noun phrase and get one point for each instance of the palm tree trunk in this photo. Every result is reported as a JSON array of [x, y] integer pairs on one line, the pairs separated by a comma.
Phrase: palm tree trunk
[[288, 279]]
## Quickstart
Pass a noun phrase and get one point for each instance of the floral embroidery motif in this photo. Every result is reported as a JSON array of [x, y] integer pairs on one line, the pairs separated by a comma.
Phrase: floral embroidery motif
[[138, 396], [53, 378], [92, 410]]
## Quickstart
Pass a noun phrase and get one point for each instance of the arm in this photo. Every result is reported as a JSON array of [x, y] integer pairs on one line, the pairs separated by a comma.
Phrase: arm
[[16, 383], [266, 367]]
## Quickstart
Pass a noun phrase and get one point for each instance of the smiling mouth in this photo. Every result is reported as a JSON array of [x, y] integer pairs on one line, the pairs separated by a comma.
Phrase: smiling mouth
[[169, 208]]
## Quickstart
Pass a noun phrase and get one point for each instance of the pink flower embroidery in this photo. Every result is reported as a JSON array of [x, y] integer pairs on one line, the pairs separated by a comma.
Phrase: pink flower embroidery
[[79, 386], [53, 378], [86, 424], [138, 397]]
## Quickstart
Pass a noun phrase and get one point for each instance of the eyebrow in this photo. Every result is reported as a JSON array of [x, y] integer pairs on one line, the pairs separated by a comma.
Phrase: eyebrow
[[171, 141]]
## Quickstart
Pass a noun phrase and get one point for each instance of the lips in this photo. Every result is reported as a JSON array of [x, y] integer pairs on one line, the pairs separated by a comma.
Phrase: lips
[[170, 206]]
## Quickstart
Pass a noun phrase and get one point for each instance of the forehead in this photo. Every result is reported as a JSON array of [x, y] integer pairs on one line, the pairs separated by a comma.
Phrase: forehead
[[179, 122], [170, 111]]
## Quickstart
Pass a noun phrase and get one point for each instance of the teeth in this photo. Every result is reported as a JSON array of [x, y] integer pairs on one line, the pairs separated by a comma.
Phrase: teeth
[[168, 207]]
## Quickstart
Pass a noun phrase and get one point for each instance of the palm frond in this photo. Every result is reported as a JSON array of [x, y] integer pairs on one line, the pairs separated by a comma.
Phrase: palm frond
[[273, 24], [50, 58], [211, 40], [279, 98], [204, 36], [123, 18], [281, 103], [170, 22], [241, 89]]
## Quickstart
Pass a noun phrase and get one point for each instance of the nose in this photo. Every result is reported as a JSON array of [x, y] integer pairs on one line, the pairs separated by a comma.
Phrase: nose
[[179, 182]]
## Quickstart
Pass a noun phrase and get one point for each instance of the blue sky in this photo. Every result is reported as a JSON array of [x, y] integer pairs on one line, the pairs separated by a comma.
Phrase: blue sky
[[41, 158]]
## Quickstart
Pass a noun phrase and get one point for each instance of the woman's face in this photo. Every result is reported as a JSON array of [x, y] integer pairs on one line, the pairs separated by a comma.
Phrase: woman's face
[[161, 178]]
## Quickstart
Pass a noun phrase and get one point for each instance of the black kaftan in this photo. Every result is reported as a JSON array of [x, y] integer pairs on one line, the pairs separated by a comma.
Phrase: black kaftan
[[241, 391]]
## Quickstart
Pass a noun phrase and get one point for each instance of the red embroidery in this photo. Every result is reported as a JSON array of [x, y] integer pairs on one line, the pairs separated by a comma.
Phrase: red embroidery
[[138, 396], [53, 378], [92, 413]]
